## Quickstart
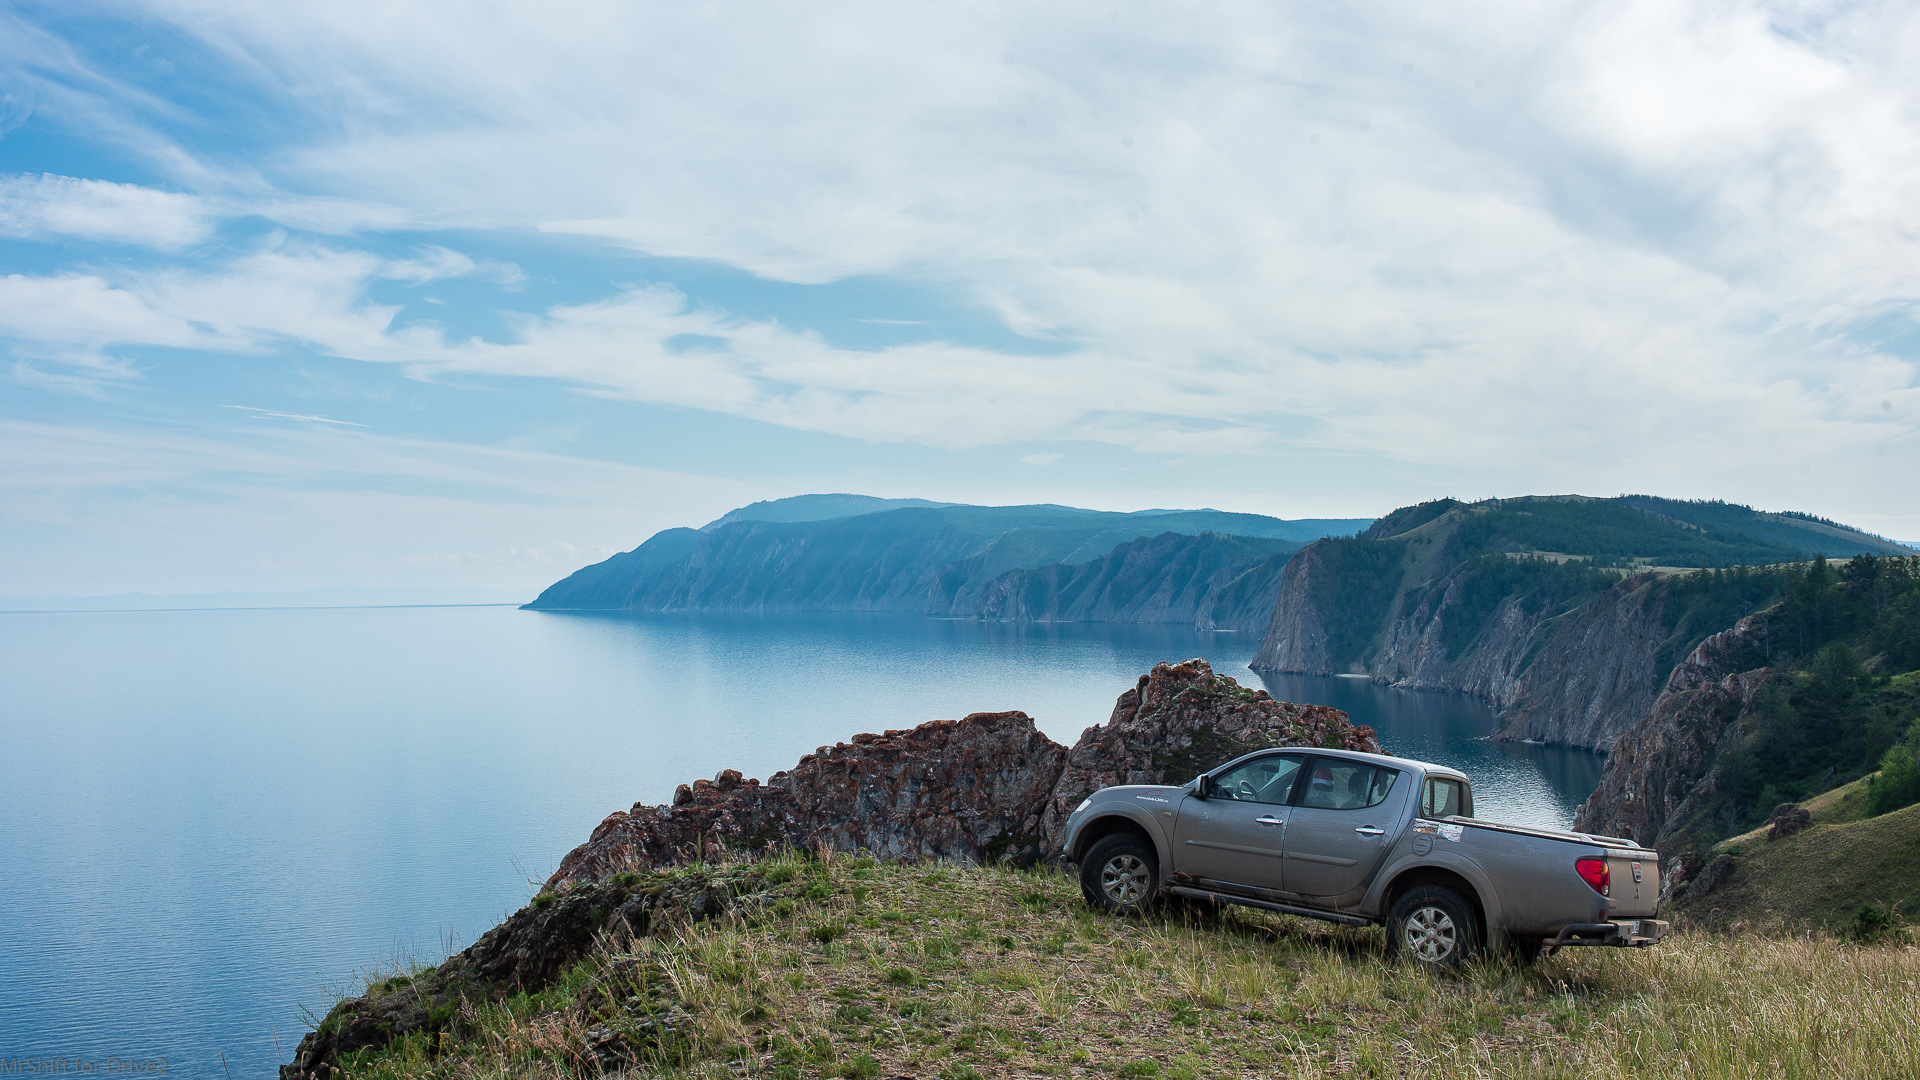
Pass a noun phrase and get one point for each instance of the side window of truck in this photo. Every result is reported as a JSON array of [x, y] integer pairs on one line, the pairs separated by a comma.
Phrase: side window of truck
[[1443, 798], [1262, 780], [1338, 784]]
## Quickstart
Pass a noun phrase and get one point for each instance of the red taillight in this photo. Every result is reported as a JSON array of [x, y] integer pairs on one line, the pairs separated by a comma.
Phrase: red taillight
[[1595, 873]]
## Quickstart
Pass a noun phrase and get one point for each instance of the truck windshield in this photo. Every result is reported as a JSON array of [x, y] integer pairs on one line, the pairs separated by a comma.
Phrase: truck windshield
[[1443, 798]]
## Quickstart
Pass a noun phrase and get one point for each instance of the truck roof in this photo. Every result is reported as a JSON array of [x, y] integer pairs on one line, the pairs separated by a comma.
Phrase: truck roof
[[1404, 764]]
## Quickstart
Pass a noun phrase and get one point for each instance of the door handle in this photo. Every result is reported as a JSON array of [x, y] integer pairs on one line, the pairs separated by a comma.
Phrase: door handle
[[1269, 820], [1368, 830]]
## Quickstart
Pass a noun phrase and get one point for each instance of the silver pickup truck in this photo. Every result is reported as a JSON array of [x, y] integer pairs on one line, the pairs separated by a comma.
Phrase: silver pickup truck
[[1365, 838]]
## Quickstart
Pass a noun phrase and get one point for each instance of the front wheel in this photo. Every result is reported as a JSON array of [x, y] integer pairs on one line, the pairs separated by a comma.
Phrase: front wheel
[[1432, 926], [1120, 874]]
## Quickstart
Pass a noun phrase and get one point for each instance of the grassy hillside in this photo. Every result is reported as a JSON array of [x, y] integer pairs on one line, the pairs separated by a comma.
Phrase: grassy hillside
[[855, 969], [1822, 875]]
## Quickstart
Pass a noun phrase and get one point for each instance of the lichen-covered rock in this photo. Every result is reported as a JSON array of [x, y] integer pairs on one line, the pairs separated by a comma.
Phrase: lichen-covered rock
[[968, 789], [1180, 720], [989, 787]]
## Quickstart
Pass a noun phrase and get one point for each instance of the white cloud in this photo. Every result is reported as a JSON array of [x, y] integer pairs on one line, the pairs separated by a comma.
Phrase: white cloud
[[436, 263], [46, 206], [1557, 243]]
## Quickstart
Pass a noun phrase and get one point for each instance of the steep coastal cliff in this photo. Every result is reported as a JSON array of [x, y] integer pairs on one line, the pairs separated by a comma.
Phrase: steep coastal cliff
[[1794, 700], [1659, 778], [1051, 563], [1566, 614]]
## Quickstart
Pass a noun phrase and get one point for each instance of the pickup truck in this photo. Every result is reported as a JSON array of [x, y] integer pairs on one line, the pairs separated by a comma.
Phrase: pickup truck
[[1361, 839]]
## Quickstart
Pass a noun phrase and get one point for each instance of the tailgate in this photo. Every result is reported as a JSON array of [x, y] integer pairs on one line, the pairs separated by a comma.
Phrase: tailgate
[[1635, 886]]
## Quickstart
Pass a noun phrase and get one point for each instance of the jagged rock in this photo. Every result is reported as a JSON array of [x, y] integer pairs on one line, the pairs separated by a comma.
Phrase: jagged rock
[[1787, 819], [988, 787], [959, 789], [1659, 774]]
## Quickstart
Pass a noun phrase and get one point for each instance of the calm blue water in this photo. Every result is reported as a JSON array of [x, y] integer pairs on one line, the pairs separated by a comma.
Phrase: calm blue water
[[212, 820]]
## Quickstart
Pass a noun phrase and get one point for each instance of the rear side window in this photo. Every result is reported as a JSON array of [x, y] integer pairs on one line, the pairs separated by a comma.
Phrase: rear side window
[[1337, 784], [1444, 798]]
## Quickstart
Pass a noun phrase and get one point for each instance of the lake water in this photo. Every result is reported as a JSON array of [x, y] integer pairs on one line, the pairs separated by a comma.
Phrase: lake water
[[211, 821]]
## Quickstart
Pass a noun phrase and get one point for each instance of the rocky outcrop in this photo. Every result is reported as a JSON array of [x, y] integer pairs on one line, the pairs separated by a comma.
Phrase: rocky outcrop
[[967, 789], [989, 787], [1788, 819], [1659, 775], [1209, 581]]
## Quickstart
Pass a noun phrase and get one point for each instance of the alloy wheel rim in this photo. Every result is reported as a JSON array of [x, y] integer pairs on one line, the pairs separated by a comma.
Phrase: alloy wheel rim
[[1430, 934], [1124, 879]]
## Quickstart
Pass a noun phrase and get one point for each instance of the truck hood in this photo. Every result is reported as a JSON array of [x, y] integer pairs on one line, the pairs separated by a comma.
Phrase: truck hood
[[1144, 792]]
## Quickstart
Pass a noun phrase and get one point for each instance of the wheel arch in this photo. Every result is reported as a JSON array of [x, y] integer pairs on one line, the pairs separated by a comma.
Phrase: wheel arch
[[1414, 877], [1106, 825]]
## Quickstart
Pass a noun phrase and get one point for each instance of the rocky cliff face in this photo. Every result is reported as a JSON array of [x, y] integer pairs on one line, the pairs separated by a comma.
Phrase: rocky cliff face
[[1209, 581], [1296, 640], [1575, 677], [985, 788], [1659, 775], [1596, 672]]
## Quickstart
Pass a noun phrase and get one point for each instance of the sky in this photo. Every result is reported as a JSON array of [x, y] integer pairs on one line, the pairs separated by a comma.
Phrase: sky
[[472, 294]]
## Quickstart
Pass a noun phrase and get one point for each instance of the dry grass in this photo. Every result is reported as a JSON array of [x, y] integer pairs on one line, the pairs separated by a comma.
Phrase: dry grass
[[967, 972]]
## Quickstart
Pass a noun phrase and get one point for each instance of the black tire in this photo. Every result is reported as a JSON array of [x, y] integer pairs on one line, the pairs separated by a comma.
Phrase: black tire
[[1525, 951], [1432, 926], [1121, 874]]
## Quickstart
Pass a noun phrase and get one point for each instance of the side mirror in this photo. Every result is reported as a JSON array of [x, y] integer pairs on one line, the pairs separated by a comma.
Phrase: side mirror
[[1202, 786]]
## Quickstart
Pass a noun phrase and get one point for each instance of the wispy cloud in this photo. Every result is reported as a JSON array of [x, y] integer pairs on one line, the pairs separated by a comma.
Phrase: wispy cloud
[[42, 207], [302, 417]]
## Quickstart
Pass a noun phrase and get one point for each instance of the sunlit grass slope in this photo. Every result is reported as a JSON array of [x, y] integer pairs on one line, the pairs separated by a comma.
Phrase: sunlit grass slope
[[868, 970], [1820, 876]]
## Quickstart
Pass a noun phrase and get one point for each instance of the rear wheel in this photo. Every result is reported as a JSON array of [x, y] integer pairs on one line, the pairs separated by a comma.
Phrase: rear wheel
[[1525, 950], [1120, 874], [1432, 926]]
